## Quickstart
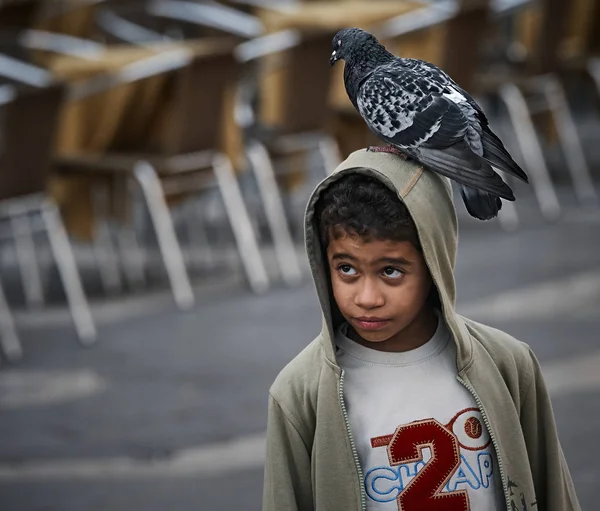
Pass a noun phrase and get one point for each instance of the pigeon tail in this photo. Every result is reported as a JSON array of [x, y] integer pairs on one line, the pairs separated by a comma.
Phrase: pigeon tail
[[497, 155], [460, 164], [481, 205]]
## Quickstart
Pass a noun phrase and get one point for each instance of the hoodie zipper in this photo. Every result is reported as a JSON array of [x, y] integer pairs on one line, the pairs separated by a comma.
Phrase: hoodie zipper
[[363, 499], [493, 438]]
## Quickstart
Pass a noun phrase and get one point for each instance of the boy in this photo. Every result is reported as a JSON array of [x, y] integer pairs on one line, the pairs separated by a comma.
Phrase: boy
[[400, 403]]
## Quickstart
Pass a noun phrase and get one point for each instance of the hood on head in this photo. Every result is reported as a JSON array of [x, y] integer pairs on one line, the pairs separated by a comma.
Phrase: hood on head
[[428, 198]]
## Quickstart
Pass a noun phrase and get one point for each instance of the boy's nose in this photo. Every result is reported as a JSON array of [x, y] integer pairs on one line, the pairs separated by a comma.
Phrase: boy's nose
[[369, 296]]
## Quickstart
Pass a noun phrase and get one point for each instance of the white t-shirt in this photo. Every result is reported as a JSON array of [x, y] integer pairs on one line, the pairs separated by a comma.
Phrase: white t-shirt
[[404, 409]]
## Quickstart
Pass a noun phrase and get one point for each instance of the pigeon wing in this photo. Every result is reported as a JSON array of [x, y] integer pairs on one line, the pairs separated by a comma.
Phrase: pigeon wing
[[480, 136], [433, 73], [409, 111]]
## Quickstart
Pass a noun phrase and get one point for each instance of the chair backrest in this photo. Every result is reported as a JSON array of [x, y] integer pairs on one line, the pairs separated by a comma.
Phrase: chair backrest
[[27, 129], [196, 104], [295, 96], [464, 34], [308, 82], [170, 112]]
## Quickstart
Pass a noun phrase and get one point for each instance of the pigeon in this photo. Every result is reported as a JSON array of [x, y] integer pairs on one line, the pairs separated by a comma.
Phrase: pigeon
[[423, 114]]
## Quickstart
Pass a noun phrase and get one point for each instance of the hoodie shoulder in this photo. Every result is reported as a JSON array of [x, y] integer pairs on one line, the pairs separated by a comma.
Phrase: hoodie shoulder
[[302, 371], [498, 343], [512, 357], [296, 386]]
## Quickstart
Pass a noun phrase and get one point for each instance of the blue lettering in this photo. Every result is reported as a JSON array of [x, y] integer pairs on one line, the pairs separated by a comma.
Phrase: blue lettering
[[384, 484], [379, 484], [486, 468], [465, 475], [418, 466], [407, 474]]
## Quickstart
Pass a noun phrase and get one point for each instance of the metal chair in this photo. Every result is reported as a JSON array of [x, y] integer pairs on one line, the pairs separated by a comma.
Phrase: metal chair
[[136, 24], [300, 125], [297, 118], [539, 90], [213, 16], [186, 157], [27, 127]]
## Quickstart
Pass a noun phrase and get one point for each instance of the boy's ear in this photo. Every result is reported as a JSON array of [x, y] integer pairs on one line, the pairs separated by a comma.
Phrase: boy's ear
[[433, 299]]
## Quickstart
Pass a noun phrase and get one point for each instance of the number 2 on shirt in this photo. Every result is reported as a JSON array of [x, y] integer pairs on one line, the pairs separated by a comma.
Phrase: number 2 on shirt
[[424, 492]]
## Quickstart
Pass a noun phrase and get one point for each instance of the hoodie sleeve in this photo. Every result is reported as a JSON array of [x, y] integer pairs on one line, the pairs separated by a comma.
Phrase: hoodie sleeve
[[287, 483], [553, 484]]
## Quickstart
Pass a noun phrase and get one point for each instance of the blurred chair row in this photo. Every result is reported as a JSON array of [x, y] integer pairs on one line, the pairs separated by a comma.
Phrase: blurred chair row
[[127, 114]]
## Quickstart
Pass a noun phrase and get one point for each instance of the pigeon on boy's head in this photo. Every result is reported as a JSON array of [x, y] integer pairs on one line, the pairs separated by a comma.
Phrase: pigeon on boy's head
[[422, 113]]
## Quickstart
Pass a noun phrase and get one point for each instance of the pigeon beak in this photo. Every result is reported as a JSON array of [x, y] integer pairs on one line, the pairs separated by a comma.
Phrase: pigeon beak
[[333, 59]]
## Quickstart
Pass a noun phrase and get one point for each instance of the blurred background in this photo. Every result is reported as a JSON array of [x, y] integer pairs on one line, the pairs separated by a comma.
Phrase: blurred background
[[155, 160]]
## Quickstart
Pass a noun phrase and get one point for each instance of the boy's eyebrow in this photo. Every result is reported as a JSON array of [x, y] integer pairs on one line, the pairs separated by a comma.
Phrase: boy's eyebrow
[[388, 260], [343, 255], [394, 260]]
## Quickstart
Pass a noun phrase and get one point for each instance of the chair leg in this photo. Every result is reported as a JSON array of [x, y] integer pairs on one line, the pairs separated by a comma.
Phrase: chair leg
[[570, 142], [103, 247], [67, 268], [241, 224], [198, 236], [133, 252], [330, 154], [9, 341], [531, 150], [132, 257], [285, 250], [27, 260], [162, 222]]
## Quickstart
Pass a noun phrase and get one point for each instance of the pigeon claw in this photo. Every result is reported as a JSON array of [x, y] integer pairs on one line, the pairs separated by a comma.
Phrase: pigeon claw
[[387, 149]]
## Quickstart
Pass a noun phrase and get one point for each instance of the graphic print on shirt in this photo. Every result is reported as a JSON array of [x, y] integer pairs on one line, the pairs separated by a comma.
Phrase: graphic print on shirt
[[431, 465]]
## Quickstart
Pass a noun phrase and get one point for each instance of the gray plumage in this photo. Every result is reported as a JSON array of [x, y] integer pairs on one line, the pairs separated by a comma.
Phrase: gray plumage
[[417, 108]]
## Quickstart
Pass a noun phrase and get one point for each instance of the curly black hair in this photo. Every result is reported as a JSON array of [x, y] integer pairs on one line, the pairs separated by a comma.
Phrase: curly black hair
[[362, 205]]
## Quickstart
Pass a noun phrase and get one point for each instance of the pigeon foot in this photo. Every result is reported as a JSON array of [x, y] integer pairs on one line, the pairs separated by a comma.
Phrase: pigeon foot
[[387, 149]]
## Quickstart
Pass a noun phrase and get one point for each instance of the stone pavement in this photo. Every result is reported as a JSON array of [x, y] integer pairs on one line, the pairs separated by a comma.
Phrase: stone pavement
[[169, 409]]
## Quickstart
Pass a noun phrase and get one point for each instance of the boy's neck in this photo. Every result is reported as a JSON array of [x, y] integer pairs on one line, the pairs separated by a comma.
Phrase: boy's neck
[[417, 333]]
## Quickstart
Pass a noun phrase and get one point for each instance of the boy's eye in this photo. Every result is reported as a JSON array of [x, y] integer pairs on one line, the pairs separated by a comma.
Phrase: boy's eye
[[346, 269], [392, 273]]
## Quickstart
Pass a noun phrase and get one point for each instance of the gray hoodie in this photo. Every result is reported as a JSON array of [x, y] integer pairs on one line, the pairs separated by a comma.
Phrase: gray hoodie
[[312, 463]]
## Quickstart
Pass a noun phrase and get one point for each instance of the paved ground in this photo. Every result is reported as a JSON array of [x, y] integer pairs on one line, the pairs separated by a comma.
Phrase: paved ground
[[168, 410]]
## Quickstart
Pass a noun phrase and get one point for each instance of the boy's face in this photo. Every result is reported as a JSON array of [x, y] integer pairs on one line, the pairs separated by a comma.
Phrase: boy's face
[[381, 288]]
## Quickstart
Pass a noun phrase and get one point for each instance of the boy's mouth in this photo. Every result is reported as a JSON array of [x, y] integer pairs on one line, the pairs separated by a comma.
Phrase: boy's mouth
[[371, 323]]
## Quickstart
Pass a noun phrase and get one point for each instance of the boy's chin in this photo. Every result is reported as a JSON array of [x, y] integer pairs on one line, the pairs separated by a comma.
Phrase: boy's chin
[[374, 337]]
